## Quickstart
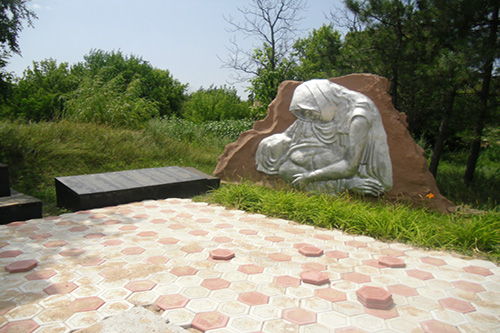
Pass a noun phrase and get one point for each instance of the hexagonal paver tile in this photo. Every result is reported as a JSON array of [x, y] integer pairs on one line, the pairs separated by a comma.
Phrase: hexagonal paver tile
[[253, 298], [20, 326], [92, 261], [40, 275], [438, 326], [174, 301], [141, 285], [287, 281], [279, 257], [383, 314], [55, 243], [433, 261], [314, 277], [392, 262], [215, 284], [78, 228], [192, 248], [221, 254], [311, 251], [248, 232], [94, 235], [209, 321], [375, 297], [468, 286], [331, 295], [112, 242], [356, 244], [21, 266], [222, 239], [10, 254], [168, 240], [251, 269], [400, 289], [130, 251], [336, 254], [418, 274], [159, 260], [198, 233], [184, 270], [478, 270], [299, 316], [456, 305], [314, 266], [147, 234], [74, 252], [356, 277], [60, 288], [86, 304], [274, 239]]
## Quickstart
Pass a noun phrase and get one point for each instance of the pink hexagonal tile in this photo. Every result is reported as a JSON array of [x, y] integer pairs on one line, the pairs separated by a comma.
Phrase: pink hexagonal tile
[[27, 326], [55, 243], [336, 254], [41, 236], [86, 304], [400, 289], [184, 271], [147, 234], [279, 257], [418, 274], [356, 277], [140, 285], [331, 295], [248, 232], [253, 298], [203, 220], [198, 232], [40, 275], [141, 216], [437, 326], [159, 260], [310, 251], [21, 266], [159, 221], [168, 240], [72, 252], [10, 254], [209, 321], [314, 266], [324, 237], [468, 286], [222, 254], [433, 261], [111, 222], [192, 248], [392, 262], [287, 281], [299, 245], [373, 263], [224, 225], [222, 239], [314, 277], [112, 242], [299, 316], [215, 284], [78, 228], [456, 305], [174, 301], [251, 269], [274, 239], [375, 297], [478, 270], [60, 288], [130, 251]]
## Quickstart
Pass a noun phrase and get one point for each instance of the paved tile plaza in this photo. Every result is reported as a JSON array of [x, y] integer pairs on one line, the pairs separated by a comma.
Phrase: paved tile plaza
[[217, 270]]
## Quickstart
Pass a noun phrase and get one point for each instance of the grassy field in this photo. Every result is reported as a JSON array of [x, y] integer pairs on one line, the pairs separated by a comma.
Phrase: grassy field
[[36, 153]]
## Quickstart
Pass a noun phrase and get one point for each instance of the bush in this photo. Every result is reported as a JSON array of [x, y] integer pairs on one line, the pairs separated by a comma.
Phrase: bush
[[215, 104]]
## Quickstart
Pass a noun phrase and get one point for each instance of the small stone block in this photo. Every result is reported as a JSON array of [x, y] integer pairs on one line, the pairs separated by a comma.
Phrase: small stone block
[[21, 266], [209, 321], [221, 254], [392, 262], [310, 251], [375, 297], [314, 277], [19, 207]]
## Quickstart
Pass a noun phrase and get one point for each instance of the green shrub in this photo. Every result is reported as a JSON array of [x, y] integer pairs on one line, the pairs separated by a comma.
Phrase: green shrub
[[215, 104]]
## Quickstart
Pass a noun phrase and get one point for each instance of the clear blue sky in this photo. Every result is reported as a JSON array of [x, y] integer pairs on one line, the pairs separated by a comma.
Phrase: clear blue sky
[[185, 37]]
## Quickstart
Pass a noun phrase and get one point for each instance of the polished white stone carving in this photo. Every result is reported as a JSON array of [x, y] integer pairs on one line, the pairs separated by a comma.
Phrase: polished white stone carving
[[337, 143]]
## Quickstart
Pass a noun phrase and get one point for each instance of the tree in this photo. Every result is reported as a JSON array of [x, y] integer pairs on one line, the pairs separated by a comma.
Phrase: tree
[[12, 15], [273, 23]]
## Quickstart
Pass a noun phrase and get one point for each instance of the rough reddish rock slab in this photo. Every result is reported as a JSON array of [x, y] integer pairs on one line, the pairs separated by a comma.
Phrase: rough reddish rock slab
[[21, 266], [413, 182]]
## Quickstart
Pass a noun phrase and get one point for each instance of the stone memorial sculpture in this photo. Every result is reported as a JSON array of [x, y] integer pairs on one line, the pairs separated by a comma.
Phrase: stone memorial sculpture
[[337, 143]]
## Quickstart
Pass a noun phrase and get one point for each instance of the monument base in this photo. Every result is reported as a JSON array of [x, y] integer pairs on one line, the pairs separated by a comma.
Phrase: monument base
[[19, 207], [115, 188]]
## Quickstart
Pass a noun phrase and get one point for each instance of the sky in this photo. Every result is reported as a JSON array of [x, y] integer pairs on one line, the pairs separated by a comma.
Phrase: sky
[[186, 37]]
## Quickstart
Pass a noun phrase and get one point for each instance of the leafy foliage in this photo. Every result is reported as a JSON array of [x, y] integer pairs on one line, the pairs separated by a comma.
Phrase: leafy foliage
[[215, 104]]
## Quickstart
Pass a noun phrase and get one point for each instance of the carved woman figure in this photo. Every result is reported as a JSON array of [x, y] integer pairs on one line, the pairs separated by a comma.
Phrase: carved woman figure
[[337, 143]]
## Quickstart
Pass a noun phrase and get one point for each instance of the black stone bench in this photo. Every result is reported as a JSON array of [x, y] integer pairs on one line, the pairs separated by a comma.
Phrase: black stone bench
[[115, 188], [16, 206]]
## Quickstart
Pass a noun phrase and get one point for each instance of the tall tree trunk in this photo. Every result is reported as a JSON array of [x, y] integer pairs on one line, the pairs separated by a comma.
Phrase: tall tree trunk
[[443, 131], [484, 96]]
